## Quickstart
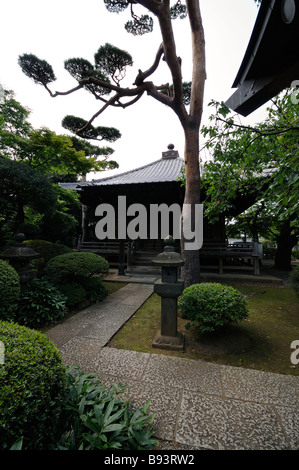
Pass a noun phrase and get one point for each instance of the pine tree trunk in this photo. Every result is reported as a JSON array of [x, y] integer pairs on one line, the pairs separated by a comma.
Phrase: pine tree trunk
[[191, 269]]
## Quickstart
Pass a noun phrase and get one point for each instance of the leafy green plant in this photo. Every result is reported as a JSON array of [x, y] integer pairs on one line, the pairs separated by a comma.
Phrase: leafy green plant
[[294, 279], [97, 418], [9, 290], [210, 306], [40, 304], [32, 389]]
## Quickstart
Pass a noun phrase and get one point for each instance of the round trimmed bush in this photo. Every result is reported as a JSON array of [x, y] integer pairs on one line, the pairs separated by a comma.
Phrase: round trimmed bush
[[210, 306], [9, 290], [32, 388], [47, 250], [75, 266]]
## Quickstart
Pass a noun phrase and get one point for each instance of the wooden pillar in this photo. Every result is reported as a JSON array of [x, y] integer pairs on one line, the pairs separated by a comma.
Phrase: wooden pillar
[[121, 260]]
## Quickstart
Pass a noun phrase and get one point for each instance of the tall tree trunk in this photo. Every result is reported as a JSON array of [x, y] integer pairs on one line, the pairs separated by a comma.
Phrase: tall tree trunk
[[191, 125], [285, 243], [191, 269]]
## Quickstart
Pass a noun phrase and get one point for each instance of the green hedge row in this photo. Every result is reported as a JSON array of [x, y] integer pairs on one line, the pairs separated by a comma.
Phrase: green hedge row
[[66, 280]]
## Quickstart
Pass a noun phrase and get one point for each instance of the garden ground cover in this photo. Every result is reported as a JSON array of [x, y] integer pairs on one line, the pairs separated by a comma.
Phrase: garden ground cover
[[262, 342]]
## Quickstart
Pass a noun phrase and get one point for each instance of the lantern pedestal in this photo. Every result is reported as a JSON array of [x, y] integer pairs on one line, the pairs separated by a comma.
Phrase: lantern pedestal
[[169, 288]]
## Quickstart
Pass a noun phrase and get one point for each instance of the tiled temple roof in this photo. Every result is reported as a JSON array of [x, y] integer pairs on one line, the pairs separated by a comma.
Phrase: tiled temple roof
[[166, 169]]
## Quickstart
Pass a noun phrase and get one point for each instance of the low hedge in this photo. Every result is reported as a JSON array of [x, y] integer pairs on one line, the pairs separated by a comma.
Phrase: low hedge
[[210, 306], [32, 388], [9, 290]]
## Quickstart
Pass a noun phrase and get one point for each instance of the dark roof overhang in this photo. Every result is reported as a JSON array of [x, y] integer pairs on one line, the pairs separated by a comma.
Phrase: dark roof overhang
[[271, 61]]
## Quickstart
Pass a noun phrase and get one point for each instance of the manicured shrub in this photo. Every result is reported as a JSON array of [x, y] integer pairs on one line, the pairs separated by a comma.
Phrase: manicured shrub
[[77, 265], [72, 273], [210, 306], [95, 291], [97, 417], [9, 290], [32, 388], [74, 293], [47, 250], [294, 280], [40, 304]]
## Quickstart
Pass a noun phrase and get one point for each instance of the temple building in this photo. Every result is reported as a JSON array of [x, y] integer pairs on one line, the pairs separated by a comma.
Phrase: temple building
[[156, 183]]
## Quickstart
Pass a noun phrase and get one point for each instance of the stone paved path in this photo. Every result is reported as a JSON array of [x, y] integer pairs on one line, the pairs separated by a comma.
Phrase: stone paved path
[[197, 405]]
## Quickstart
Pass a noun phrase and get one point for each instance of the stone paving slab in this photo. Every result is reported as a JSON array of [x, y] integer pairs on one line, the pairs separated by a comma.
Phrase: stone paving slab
[[197, 405], [99, 321], [259, 386], [206, 405], [228, 424]]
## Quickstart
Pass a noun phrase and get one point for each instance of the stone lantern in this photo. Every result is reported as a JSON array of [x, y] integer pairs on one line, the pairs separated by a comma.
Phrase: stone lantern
[[169, 288], [19, 257]]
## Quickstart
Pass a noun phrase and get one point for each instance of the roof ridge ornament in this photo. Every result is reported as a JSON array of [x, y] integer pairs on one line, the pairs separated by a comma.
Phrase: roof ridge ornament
[[170, 153]]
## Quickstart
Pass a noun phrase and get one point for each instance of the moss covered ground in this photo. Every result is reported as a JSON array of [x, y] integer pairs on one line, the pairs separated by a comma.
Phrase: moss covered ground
[[263, 341]]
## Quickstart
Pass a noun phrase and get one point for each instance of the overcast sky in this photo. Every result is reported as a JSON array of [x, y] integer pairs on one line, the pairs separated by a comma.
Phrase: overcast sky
[[61, 29]]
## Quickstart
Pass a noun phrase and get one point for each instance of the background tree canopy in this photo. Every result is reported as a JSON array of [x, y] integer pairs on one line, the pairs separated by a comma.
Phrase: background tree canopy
[[263, 161], [31, 162], [19, 188]]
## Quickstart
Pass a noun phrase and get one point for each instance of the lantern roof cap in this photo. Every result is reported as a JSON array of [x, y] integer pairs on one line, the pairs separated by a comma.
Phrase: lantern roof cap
[[169, 258]]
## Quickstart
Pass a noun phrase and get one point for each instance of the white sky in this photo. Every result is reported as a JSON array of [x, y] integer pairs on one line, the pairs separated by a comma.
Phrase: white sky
[[61, 29]]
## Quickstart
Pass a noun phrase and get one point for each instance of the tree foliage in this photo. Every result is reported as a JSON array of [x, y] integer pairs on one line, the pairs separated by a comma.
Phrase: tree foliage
[[82, 128], [44, 150], [261, 162], [113, 62], [39, 70], [31, 160], [109, 69], [261, 159], [19, 185], [80, 68]]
